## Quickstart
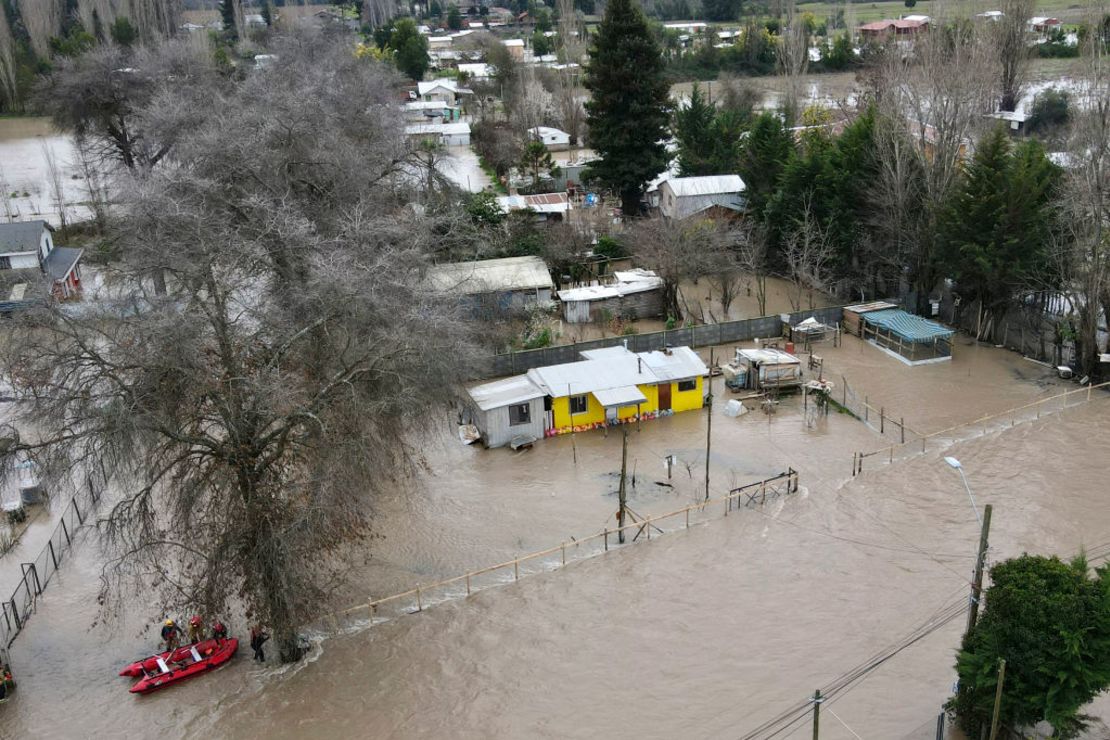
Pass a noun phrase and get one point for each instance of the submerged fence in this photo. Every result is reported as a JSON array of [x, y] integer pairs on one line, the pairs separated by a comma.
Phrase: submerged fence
[[425, 595], [887, 422], [706, 335], [19, 607], [983, 425]]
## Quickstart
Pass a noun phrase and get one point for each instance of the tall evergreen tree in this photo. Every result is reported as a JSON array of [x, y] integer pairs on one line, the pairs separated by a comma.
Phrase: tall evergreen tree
[[996, 227], [410, 48], [768, 149], [227, 16], [693, 128], [628, 111]]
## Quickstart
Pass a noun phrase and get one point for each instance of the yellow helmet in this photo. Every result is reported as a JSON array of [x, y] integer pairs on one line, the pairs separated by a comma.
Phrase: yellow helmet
[[169, 623]]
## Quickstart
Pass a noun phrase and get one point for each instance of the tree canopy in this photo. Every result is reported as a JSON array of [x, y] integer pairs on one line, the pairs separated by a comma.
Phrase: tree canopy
[[410, 49], [1050, 620], [629, 110]]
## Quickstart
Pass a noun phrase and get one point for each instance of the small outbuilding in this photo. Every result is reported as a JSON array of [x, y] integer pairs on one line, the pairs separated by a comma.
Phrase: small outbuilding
[[635, 294], [853, 323], [682, 197], [910, 338], [765, 369], [456, 133], [507, 284], [508, 409], [552, 138]]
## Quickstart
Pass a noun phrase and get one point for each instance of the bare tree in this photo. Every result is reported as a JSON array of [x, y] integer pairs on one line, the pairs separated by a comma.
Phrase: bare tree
[[752, 248], [678, 251], [1011, 37], [793, 59], [106, 96], [1085, 249], [9, 86], [57, 190], [94, 183], [808, 253], [569, 95], [43, 21], [251, 413]]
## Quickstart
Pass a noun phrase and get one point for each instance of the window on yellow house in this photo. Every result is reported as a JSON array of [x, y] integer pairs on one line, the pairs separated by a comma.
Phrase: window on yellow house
[[579, 404], [687, 385]]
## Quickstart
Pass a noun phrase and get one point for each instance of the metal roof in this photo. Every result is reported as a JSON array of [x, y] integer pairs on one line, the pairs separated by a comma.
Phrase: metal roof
[[866, 307], [628, 395], [908, 326], [628, 282], [505, 392], [768, 356], [707, 185], [423, 88], [446, 129], [541, 203], [678, 363], [61, 262], [489, 276], [22, 236]]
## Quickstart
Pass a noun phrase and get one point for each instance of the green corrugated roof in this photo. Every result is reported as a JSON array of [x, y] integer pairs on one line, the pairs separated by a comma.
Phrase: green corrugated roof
[[909, 327]]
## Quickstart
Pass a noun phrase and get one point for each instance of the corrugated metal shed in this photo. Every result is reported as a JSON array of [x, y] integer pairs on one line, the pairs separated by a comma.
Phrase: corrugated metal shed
[[768, 357], [505, 392], [907, 326], [490, 276]]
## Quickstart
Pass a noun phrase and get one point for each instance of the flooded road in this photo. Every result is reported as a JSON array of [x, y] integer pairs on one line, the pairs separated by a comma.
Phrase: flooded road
[[702, 633]]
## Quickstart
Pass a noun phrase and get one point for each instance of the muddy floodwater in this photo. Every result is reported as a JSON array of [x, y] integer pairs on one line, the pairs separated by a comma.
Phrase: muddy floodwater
[[707, 632]]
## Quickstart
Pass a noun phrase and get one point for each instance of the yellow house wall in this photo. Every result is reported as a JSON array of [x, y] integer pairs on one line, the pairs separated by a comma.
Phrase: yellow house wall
[[685, 400], [595, 412]]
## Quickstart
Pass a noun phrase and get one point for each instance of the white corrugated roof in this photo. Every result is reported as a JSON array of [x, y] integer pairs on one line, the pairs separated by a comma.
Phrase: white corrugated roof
[[485, 276], [707, 185], [628, 282], [505, 392], [513, 42], [772, 356], [426, 105], [423, 88], [545, 132], [447, 129], [477, 69], [628, 395], [681, 363]]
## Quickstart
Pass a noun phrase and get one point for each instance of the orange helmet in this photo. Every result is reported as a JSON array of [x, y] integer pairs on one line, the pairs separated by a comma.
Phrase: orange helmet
[[195, 621]]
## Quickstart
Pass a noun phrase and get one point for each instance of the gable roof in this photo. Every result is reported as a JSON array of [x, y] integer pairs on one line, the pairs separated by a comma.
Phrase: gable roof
[[617, 368], [505, 392], [22, 236]]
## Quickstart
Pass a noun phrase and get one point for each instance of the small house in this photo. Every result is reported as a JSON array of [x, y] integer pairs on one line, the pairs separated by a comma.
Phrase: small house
[[515, 47], [767, 369], [498, 285], [448, 134], [907, 337], [635, 294], [508, 409], [29, 246], [443, 90], [552, 138], [545, 206], [1043, 24], [682, 197], [439, 43], [429, 111], [1014, 120]]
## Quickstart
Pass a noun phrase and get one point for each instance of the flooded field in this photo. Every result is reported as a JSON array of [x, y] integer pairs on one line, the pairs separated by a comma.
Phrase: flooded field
[[26, 192], [708, 632]]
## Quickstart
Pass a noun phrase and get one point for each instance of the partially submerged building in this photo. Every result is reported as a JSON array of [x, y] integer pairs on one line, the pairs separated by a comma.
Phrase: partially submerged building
[[764, 369], [910, 338], [633, 294], [27, 250], [456, 133], [608, 386]]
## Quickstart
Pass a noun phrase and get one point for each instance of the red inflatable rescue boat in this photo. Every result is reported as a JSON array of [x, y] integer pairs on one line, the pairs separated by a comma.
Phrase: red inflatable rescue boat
[[177, 665]]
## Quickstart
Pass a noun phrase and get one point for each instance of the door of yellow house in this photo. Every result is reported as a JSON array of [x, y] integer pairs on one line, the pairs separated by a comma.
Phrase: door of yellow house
[[664, 396]]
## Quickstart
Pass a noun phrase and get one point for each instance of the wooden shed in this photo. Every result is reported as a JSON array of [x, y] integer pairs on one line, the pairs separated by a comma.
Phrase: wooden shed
[[912, 339], [852, 314]]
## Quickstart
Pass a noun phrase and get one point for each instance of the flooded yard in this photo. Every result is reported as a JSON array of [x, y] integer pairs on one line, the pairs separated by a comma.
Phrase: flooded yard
[[707, 632]]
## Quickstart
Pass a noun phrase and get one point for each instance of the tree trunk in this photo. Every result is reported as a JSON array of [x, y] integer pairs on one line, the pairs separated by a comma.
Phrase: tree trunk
[[630, 203]]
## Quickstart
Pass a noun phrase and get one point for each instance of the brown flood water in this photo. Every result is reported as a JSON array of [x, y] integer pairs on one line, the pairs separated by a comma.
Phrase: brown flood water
[[705, 633]]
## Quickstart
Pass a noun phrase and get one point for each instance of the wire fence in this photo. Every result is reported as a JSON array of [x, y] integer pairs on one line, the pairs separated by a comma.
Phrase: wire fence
[[887, 422], [19, 607], [377, 611], [918, 444]]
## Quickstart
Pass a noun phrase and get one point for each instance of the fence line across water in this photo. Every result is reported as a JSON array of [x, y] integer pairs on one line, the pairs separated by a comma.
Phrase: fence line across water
[[991, 422], [19, 607], [416, 599]]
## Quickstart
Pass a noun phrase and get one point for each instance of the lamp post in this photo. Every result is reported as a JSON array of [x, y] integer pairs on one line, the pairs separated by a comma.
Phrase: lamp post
[[954, 463]]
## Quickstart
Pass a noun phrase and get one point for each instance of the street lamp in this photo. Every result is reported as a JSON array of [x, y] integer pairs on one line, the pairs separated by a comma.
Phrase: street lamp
[[954, 463]]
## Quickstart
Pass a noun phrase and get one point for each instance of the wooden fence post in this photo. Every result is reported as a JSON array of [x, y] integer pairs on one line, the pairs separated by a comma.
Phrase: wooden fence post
[[606, 539], [563, 547], [419, 602], [468, 584], [516, 570]]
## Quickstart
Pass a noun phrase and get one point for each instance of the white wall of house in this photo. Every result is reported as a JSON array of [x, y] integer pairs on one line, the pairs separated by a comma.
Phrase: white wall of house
[[46, 244], [22, 260]]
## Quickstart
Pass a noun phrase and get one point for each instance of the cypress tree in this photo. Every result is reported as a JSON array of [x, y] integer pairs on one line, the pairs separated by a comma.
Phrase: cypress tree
[[628, 111]]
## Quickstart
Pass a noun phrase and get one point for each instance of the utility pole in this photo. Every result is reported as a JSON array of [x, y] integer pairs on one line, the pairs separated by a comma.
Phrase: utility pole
[[623, 492], [709, 423], [998, 698], [816, 711], [977, 582]]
